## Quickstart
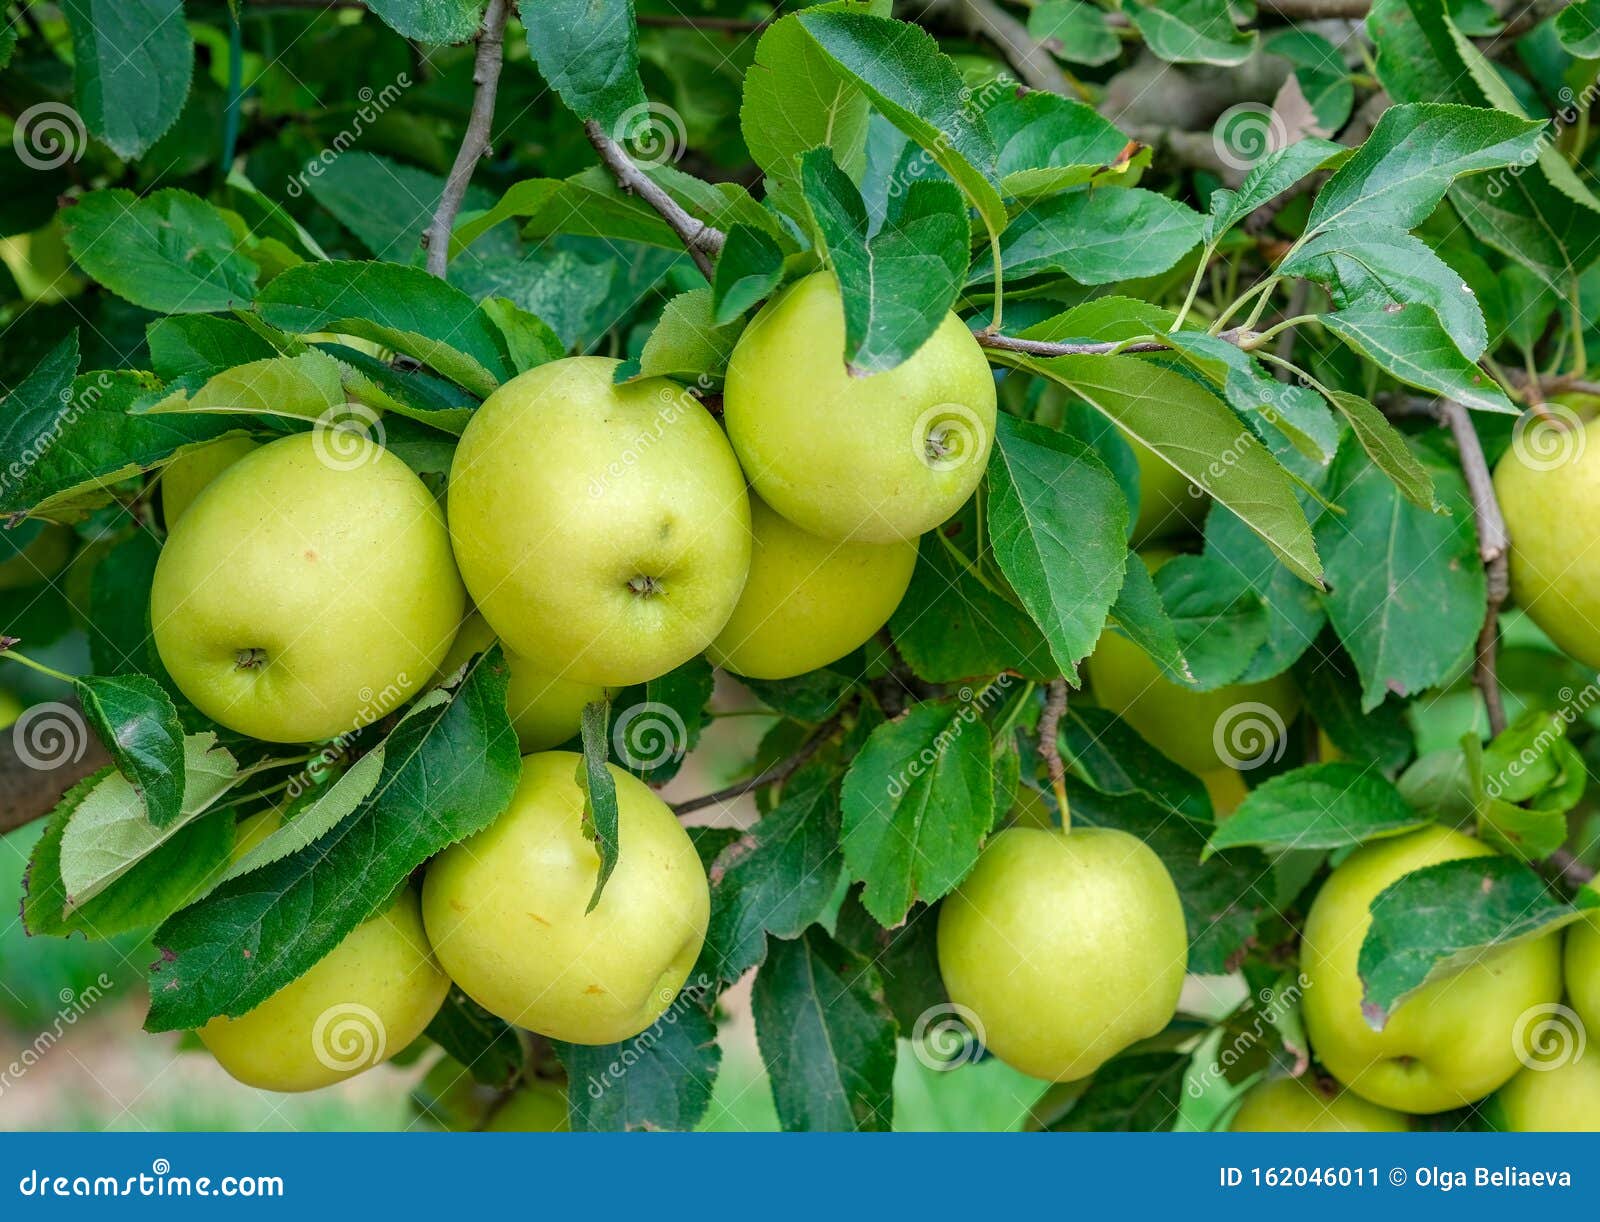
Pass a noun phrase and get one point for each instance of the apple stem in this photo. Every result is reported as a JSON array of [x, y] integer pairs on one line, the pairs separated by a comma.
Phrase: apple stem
[[1055, 707], [12, 655]]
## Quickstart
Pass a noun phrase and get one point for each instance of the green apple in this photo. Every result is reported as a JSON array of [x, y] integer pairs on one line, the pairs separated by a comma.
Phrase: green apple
[[187, 475], [1168, 502], [298, 599], [507, 910], [251, 830], [809, 601], [538, 1108], [1451, 1042], [603, 529], [545, 710], [1306, 1105], [11, 708], [1227, 790], [365, 1001], [874, 458], [1582, 957], [1560, 1098], [1548, 484], [33, 552], [1065, 947]]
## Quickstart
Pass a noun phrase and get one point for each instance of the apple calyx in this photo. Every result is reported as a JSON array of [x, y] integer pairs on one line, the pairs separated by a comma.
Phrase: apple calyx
[[250, 659], [644, 586]]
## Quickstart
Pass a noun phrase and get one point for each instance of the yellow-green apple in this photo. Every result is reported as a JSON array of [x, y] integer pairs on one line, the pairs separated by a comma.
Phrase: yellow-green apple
[[1451, 1042], [1563, 1097], [875, 458], [1548, 484], [602, 529], [1306, 1105], [300, 598], [1227, 790], [365, 1001], [506, 910], [809, 600], [11, 708], [1582, 959], [545, 710], [537, 1108], [1168, 503], [38, 559], [187, 475], [1065, 947]]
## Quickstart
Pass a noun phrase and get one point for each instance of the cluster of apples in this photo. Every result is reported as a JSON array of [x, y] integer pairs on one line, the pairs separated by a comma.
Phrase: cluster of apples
[[605, 533]]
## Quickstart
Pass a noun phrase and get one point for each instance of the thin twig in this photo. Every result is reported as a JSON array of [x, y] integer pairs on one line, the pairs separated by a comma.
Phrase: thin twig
[[1492, 546], [1055, 707], [475, 142], [702, 241], [1570, 868], [781, 771]]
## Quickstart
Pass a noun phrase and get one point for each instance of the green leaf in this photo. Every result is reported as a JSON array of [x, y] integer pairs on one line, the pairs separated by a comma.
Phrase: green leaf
[[1273, 409], [448, 771], [202, 345], [898, 286], [1218, 617], [435, 21], [323, 813], [1189, 428], [1578, 28], [135, 719], [119, 605], [1293, 611], [1409, 343], [1386, 269], [748, 269], [599, 792], [1327, 678], [775, 879], [1321, 806], [1137, 1092], [589, 52], [1085, 234], [400, 307], [1193, 32], [73, 437], [177, 869], [918, 804], [1405, 586], [906, 957], [1437, 920], [304, 387], [112, 830], [171, 251], [688, 343], [1386, 446], [1048, 143], [1111, 756], [918, 88], [660, 1080], [1140, 615], [794, 101], [526, 198], [1058, 525], [1075, 31], [1275, 173], [1320, 72], [487, 1047], [385, 203], [1399, 175], [132, 63], [826, 1035]]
